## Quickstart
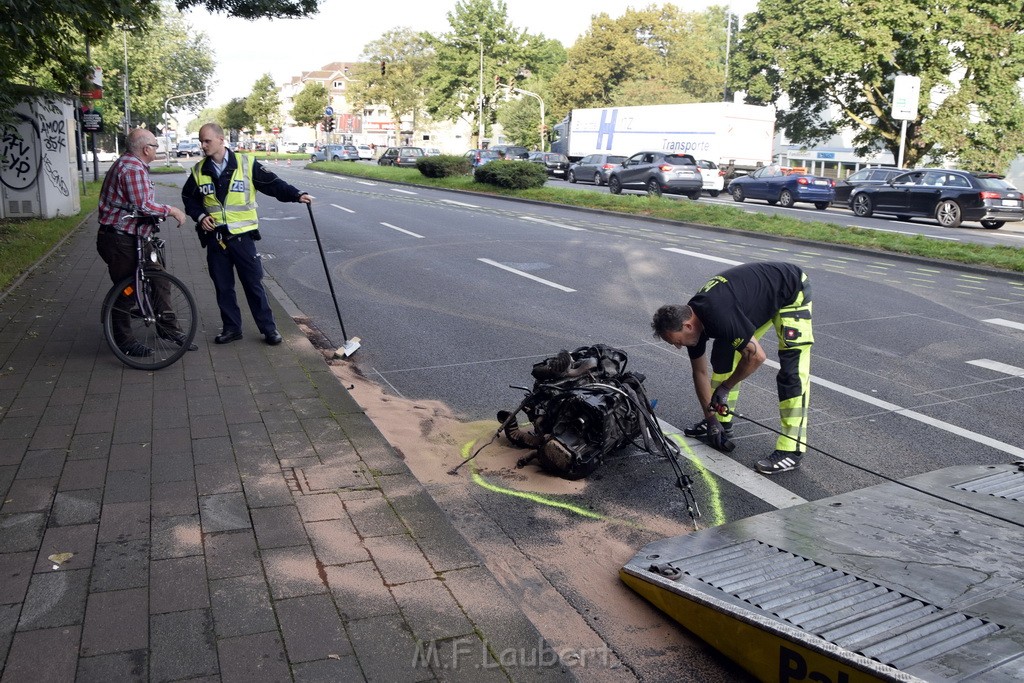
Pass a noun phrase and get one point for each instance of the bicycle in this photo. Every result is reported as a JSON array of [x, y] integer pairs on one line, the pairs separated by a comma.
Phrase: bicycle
[[149, 318]]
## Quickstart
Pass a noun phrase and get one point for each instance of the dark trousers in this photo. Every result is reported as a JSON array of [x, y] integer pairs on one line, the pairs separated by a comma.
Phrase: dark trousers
[[117, 249], [239, 254]]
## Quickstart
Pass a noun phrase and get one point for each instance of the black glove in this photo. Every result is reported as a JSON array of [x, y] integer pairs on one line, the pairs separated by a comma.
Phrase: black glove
[[720, 399], [716, 435]]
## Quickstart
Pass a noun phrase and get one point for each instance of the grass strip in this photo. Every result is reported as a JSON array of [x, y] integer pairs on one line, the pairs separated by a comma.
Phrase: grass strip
[[25, 241]]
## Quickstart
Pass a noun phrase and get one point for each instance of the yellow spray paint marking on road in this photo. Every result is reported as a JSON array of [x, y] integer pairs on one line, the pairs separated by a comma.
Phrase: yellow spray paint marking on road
[[533, 497], [714, 495]]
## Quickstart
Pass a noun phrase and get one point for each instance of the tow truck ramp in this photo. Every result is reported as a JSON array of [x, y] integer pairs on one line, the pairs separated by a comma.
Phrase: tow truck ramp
[[917, 580]]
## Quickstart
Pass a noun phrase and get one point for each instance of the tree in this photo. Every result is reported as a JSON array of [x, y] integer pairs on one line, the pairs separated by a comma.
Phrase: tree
[[309, 105], [44, 42], [391, 72], [233, 116], [207, 115], [453, 81], [255, 9], [263, 104], [164, 60], [651, 56], [830, 64]]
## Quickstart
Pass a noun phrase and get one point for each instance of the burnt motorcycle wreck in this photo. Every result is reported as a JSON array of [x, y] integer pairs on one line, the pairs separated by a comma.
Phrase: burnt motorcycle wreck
[[584, 406]]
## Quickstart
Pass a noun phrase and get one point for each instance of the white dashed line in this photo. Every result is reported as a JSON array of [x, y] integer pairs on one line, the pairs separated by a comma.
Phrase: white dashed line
[[407, 232], [703, 256], [998, 367], [342, 208], [557, 225], [1005, 323], [526, 275]]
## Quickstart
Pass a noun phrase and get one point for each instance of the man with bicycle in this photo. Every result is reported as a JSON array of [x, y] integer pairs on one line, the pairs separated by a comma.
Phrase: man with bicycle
[[220, 196], [126, 201]]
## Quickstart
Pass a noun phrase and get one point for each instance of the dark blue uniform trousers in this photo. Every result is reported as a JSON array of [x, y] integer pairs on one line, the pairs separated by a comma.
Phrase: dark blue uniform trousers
[[239, 254]]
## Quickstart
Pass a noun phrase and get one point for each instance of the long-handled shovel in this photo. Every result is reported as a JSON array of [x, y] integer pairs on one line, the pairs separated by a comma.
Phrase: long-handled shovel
[[351, 345]]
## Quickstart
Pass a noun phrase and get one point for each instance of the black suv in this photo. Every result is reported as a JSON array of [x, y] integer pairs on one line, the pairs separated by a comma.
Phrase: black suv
[[511, 151], [657, 172]]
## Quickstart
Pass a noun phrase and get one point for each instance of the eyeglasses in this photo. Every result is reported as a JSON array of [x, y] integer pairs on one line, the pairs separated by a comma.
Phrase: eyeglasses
[[153, 146]]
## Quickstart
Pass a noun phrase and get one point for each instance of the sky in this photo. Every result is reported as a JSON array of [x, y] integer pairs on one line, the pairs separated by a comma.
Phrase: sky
[[245, 50]]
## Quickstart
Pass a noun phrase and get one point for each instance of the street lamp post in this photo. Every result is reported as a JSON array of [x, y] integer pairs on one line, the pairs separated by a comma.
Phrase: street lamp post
[[127, 108], [480, 141], [536, 97], [167, 117]]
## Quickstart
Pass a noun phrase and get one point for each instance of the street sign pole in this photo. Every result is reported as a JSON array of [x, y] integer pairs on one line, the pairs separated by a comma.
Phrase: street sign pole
[[906, 93]]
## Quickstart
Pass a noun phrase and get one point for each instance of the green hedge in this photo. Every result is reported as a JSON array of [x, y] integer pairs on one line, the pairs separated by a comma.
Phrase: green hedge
[[443, 166], [512, 175]]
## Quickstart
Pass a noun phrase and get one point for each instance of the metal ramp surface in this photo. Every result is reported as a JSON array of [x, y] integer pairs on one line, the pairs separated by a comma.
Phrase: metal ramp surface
[[921, 581]]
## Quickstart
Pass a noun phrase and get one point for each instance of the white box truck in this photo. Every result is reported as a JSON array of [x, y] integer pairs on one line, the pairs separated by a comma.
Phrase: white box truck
[[727, 133]]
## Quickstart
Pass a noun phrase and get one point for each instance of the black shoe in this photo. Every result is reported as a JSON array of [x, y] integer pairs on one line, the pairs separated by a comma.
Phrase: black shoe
[[701, 429], [177, 338], [779, 461], [226, 337], [273, 338], [136, 349]]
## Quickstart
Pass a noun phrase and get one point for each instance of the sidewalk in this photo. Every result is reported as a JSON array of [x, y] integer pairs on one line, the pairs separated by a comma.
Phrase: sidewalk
[[233, 517]]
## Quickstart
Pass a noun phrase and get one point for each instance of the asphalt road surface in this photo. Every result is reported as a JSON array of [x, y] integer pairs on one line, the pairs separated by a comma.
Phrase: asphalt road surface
[[917, 366]]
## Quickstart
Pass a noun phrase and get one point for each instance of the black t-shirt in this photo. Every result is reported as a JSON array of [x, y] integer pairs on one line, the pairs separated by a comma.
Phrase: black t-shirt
[[733, 304]]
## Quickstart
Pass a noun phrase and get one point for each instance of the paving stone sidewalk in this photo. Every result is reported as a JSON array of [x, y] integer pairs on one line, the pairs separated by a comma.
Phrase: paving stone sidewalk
[[233, 517]]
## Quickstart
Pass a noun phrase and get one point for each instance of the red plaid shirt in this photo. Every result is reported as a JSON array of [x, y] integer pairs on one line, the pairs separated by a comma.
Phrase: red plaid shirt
[[127, 186]]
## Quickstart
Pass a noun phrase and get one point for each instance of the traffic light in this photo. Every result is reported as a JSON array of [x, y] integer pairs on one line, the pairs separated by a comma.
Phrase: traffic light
[[383, 67], [328, 123]]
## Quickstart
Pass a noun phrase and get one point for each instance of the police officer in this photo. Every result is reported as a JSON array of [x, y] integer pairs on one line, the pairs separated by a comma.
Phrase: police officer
[[220, 196], [735, 308]]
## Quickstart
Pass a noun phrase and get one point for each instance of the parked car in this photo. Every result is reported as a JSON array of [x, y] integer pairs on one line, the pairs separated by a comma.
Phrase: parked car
[[365, 151], [259, 146], [784, 186], [873, 175], [557, 165], [657, 172], [271, 146], [400, 156], [948, 196], [479, 157], [512, 151], [712, 176], [187, 148], [335, 153], [594, 168]]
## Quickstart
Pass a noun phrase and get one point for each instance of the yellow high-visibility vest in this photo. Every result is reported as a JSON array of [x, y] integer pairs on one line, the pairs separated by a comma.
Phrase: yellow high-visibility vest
[[238, 211]]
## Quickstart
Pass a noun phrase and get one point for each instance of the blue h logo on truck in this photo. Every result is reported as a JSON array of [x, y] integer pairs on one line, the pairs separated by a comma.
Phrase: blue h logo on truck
[[607, 127]]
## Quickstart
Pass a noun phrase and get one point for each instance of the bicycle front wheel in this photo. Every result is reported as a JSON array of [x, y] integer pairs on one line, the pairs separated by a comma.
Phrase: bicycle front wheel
[[151, 329]]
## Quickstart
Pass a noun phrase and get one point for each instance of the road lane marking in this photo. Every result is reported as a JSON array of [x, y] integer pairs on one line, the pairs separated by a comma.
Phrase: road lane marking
[[395, 189], [526, 275], [407, 232], [1005, 323], [1009, 449], [728, 469], [452, 201], [703, 256], [998, 367], [342, 208], [557, 225], [366, 182]]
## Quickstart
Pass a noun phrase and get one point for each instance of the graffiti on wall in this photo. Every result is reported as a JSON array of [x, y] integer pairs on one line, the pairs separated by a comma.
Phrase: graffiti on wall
[[20, 153], [30, 148]]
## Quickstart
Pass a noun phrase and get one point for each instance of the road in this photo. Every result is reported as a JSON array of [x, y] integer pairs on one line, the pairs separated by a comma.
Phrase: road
[[916, 367]]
